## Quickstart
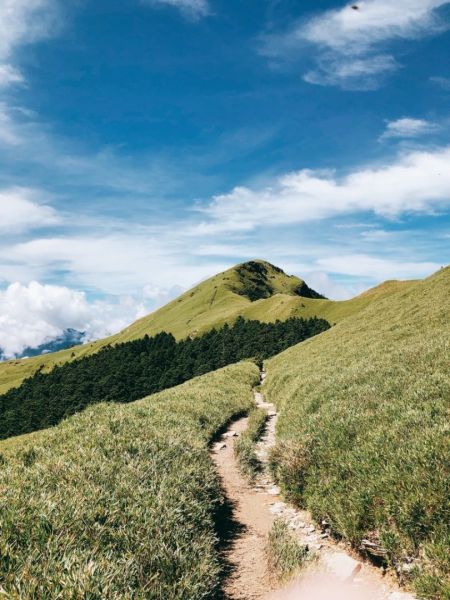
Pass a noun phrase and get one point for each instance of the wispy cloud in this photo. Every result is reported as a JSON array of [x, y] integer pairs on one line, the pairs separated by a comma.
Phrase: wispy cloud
[[23, 22], [275, 222], [409, 128], [381, 268], [190, 8], [442, 82], [9, 75], [351, 42], [22, 209]]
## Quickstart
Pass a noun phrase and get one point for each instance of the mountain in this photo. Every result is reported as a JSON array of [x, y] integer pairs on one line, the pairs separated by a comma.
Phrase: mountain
[[68, 339], [361, 442], [253, 290]]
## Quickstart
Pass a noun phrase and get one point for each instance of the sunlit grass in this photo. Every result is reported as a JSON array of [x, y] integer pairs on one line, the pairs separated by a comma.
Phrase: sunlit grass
[[119, 501], [212, 303], [285, 555], [364, 428], [245, 446]]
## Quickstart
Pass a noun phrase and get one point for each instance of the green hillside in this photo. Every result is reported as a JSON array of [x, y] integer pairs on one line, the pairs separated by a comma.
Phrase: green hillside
[[363, 435], [103, 506], [254, 290], [131, 370]]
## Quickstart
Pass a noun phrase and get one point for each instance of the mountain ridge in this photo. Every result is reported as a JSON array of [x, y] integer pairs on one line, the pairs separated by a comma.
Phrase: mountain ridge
[[254, 289]]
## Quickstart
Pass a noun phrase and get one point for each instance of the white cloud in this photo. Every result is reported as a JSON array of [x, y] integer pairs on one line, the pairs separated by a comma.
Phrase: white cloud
[[33, 314], [417, 182], [21, 209], [9, 75], [352, 73], [376, 235], [408, 128], [191, 8], [362, 265], [160, 295], [443, 82], [351, 43], [22, 22], [9, 135], [321, 282], [115, 263]]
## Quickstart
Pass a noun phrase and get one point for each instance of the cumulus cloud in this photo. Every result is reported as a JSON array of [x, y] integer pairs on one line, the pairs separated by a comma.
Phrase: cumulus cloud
[[417, 182], [191, 8], [34, 314], [350, 44], [21, 209], [409, 128]]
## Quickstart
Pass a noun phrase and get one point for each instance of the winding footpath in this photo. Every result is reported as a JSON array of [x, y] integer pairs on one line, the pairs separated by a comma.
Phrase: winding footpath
[[333, 573]]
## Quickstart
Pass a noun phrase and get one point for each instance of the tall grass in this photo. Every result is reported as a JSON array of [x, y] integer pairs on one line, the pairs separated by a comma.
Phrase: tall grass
[[285, 554], [245, 446], [364, 429], [119, 501]]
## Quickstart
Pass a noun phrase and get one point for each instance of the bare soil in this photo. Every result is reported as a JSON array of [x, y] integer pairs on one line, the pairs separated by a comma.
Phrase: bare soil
[[248, 578]]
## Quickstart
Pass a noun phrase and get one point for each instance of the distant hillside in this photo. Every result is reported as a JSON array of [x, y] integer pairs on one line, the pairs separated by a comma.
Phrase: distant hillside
[[254, 290], [131, 370], [68, 339], [363, 434]]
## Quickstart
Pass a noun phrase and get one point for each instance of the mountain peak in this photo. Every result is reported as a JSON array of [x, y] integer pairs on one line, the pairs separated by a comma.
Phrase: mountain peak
[[258, 279]]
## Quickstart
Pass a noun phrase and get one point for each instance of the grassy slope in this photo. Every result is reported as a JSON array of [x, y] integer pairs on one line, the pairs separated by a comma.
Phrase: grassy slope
[[211, 303], [363, 431], [119, 501]]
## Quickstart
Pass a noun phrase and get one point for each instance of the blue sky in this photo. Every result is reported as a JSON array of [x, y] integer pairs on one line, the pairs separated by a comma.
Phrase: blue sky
[[147, 144]]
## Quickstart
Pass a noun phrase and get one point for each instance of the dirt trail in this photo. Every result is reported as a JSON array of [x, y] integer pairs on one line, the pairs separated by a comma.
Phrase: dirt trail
[[248, 578], [333, 573]]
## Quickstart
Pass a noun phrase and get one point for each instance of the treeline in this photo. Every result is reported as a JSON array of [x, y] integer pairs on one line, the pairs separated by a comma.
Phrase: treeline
[[132, 370]]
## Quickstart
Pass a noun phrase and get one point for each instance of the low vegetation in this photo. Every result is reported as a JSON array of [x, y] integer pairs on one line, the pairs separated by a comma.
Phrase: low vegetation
[[119, 501], [285, 555], [245, 446], [364, 430], [132, 370]]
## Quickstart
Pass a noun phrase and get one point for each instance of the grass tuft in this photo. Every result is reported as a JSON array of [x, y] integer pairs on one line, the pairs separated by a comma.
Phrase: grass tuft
[[245, 446], [285, 555]]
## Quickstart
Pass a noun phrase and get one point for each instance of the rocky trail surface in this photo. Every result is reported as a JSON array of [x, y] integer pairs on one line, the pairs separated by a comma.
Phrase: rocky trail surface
[[332, 573]]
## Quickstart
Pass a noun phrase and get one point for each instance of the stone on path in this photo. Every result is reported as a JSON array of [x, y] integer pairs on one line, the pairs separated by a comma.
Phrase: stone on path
[[230, 434], [342, 566], [277, 508]]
